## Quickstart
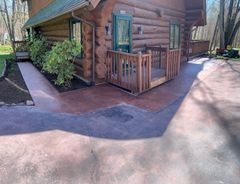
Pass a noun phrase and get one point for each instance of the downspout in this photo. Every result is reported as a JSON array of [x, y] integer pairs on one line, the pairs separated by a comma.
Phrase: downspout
[[93, 44]]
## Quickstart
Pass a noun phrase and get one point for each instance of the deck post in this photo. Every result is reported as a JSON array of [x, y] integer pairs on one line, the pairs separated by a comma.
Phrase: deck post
[[150, 67], [119, 68], [179, 60], [167, 67], [139, 73]]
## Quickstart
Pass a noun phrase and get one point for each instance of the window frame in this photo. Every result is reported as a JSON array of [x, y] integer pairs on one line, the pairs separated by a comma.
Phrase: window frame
[[116, 17], [73, 21], [173, 42]]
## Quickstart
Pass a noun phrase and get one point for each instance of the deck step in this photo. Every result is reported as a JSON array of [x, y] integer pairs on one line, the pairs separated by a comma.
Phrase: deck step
[[157, 82]]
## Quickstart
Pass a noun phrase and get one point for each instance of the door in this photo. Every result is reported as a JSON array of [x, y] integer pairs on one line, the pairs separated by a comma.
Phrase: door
[[122, 33]]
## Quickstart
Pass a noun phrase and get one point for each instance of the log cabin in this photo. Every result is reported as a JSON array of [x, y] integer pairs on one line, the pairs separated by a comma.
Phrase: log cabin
[[134, 44]]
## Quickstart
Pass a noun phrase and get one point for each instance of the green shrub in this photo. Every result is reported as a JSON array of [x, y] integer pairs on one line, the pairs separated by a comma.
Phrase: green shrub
[[38, 51], [59, 62]]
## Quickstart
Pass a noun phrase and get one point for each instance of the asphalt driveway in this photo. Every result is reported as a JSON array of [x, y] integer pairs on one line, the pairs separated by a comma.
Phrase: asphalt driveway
[[194, 140]]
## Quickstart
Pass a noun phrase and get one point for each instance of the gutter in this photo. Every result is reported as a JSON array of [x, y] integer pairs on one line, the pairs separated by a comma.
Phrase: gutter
[[93, 44]]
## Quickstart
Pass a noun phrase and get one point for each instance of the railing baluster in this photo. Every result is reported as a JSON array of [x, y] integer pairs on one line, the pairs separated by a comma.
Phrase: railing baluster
[[173, 63], [130, 71]]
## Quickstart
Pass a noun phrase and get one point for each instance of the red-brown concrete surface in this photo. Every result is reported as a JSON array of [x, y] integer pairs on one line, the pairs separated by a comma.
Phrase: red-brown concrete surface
[[80, 101], [195, 140]]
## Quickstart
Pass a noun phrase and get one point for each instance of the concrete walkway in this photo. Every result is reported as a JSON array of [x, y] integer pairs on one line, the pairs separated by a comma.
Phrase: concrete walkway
[[195, 140], [91, 99]]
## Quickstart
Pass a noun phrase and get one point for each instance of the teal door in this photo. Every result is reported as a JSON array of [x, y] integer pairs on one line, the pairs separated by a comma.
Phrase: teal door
[[122, 33]]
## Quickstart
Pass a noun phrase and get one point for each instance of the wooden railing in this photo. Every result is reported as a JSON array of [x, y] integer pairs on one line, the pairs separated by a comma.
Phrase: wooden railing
[[129, 71], [156, 56], [21, 46], [198, 47], [163, 58], [134, 71], [159, 56], [173, 63]]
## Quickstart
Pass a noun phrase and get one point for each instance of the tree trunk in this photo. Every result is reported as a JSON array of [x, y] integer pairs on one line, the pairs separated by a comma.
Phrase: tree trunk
[[214, 35], [221, 24], [232, 24], [234, 33]]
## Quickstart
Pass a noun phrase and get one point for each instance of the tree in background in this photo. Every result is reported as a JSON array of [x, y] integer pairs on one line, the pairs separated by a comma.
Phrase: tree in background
[[229, 24], [221, 23], [232, 24], [14, 14], [206, 32]]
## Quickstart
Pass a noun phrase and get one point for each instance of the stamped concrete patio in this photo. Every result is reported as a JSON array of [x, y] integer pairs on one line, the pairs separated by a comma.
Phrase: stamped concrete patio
[[194, 138], [46, 97]]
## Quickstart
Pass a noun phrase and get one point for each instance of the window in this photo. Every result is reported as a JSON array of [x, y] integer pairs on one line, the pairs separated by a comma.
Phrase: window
[[76, 33], [122, 33], [174, 36], [29, 34]]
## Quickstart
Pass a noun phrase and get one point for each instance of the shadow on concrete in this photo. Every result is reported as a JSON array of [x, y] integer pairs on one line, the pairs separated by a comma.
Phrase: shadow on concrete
[[232, 66], [224, 113], [121, 122]]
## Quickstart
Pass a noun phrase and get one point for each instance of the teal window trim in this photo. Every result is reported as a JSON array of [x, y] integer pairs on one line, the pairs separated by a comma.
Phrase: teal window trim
[[29, 34], [116, 17], [172, 42], [73, 21]]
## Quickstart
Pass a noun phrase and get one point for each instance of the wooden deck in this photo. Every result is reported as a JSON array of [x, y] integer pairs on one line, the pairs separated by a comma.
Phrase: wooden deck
[[141, 72], [158, 73]]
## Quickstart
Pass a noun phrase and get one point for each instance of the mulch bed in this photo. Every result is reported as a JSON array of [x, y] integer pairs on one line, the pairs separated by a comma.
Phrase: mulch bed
[[9, 93], [76, 83]]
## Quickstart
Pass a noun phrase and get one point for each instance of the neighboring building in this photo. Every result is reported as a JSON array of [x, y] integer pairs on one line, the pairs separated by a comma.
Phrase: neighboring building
[[125, 26]]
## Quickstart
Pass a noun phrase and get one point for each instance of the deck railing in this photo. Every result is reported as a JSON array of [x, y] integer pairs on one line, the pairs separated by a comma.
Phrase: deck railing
[[198, 47], [129, 71], [22, 50], [134, 71], [169, 60], [21, 46], [159, 56], [173, 63]]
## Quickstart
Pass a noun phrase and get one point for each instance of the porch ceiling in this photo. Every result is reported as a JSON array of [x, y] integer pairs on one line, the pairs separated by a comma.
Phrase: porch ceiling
[[55, 9]]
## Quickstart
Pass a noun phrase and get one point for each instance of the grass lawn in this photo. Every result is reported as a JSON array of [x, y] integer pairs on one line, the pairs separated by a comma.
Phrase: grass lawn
[[5, 49], [5, 53]]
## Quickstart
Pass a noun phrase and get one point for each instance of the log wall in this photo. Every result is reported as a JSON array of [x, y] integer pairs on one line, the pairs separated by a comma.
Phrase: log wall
[[58, 30], [155, 28], [153, 15]]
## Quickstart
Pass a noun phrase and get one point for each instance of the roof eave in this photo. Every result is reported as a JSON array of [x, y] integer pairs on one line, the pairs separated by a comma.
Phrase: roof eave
[[87, 3]]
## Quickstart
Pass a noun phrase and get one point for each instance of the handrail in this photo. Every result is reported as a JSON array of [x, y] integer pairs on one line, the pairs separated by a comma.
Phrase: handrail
[[128, 54], [129, 71], [20, 41]]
